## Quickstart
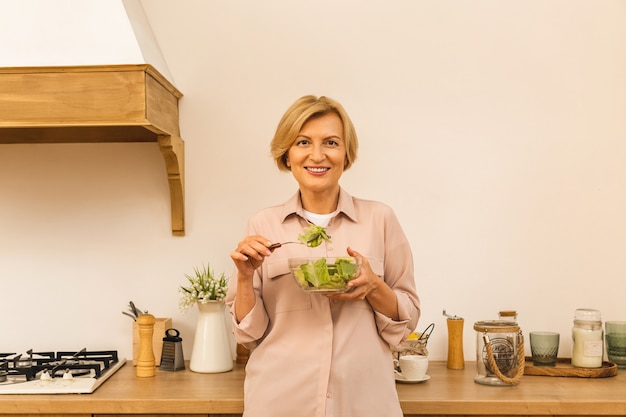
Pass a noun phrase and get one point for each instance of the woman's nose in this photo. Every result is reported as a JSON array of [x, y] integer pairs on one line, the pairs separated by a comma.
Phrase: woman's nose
[[317, 153]]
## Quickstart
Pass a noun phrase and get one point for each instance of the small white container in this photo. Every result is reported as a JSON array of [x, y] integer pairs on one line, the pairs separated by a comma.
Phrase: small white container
[[588, 339]]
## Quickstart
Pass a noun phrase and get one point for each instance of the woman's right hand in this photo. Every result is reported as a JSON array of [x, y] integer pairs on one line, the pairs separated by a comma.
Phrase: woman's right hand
[[250, 254]]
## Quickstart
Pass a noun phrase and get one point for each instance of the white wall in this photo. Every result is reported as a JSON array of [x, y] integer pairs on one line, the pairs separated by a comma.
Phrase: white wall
[[495, 129]]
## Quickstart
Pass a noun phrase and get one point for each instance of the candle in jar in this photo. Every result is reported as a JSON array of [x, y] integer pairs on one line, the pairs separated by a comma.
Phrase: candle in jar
[[588, 339]]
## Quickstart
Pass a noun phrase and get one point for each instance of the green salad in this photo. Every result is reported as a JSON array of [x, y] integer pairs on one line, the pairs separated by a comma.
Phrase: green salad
[[323, 276], [313, 236]]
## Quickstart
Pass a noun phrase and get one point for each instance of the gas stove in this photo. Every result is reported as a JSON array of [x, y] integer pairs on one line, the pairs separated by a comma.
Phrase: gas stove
[[79, 372]]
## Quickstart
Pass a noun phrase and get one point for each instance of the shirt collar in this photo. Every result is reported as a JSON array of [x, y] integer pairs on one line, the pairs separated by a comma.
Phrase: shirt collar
[[345, 205]]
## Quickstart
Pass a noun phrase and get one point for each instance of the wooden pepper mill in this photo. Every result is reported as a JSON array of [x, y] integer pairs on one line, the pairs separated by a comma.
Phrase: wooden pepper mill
[[146, 363], [455, 342]]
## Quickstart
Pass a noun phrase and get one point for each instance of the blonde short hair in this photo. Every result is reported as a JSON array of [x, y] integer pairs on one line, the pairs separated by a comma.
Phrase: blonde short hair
[[300, 112]]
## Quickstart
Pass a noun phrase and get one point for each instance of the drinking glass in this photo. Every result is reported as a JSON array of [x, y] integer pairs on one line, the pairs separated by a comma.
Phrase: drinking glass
[[544, 347], [615, 336]]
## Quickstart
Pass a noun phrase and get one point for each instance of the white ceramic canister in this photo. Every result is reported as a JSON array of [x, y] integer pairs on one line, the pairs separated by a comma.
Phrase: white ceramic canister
[[588, 338]]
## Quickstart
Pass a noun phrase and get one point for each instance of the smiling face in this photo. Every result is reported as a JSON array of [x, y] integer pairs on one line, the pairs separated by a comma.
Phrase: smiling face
[[318, 156]]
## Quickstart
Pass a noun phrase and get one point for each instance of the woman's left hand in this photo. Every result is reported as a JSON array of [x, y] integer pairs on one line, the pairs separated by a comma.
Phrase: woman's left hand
[[362, 285], [369, 286]]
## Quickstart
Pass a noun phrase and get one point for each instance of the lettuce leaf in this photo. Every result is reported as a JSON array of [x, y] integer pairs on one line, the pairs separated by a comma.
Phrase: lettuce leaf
[[313, 236], [320, 275]]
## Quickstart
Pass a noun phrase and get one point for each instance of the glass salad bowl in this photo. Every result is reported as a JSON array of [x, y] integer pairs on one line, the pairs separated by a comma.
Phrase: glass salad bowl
[[324, 275]]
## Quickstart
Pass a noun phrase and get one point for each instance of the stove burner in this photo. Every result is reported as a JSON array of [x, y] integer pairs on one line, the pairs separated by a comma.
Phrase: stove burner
[[57, 372], [33, 365]]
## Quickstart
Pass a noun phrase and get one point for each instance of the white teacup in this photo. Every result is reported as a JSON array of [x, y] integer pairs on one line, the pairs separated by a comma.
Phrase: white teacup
[[413, 367]]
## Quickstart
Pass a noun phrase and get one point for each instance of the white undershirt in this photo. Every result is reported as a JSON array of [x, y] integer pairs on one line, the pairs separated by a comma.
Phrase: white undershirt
[[319, 219]]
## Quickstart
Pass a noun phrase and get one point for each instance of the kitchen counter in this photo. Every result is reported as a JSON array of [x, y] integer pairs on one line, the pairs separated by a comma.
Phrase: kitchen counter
[[448, 392]]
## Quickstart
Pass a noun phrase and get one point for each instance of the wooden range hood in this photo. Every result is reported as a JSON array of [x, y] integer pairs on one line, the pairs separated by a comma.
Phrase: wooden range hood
[[93, 104]]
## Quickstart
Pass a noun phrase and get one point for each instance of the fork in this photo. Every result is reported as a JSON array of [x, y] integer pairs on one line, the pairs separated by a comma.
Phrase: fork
[[278, 245]]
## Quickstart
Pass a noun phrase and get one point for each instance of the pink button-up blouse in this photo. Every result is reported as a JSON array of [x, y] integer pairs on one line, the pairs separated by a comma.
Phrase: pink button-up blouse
[[313, 357]]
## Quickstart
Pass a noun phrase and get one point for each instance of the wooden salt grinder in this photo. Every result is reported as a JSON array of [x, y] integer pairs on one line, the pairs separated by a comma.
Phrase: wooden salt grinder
[[455, 343], [146, 363]]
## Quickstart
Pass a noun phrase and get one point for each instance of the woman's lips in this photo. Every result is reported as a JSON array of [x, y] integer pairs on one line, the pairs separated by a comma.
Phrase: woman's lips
[[317, 170]]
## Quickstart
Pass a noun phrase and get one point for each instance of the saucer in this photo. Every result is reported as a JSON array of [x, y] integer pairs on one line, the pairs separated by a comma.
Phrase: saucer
[[400, 378]]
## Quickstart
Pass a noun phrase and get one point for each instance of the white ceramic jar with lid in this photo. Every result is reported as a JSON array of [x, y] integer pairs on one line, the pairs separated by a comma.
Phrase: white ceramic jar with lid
[[588, 338]]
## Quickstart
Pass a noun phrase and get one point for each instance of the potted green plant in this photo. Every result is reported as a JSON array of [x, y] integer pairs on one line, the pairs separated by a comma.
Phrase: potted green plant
[[204, 286], [211, 351]]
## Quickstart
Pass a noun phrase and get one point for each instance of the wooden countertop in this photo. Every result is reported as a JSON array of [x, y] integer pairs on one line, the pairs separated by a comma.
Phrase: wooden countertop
[[447, 392]]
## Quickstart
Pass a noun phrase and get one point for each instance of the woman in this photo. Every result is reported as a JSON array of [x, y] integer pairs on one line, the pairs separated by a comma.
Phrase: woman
[[311, 354]]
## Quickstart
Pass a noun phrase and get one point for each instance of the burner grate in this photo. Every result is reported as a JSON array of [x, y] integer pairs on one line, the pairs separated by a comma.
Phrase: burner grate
[[78, 363]]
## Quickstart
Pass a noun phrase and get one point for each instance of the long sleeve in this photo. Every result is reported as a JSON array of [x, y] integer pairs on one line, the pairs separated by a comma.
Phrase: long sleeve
[[313, 357]]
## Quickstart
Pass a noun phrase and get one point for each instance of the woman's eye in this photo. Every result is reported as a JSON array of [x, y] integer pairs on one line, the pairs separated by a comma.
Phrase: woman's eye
[[302, 142], [332, 142]]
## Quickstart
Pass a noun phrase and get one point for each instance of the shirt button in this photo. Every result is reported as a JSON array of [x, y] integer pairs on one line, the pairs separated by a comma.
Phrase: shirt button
[[329, 395]]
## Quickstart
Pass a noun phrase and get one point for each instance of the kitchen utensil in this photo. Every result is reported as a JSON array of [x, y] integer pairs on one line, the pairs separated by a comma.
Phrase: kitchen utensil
[[145, 357], [133, 309], [316, 235], [278, 245], [456, 359], [172, 353], [132, 316]]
